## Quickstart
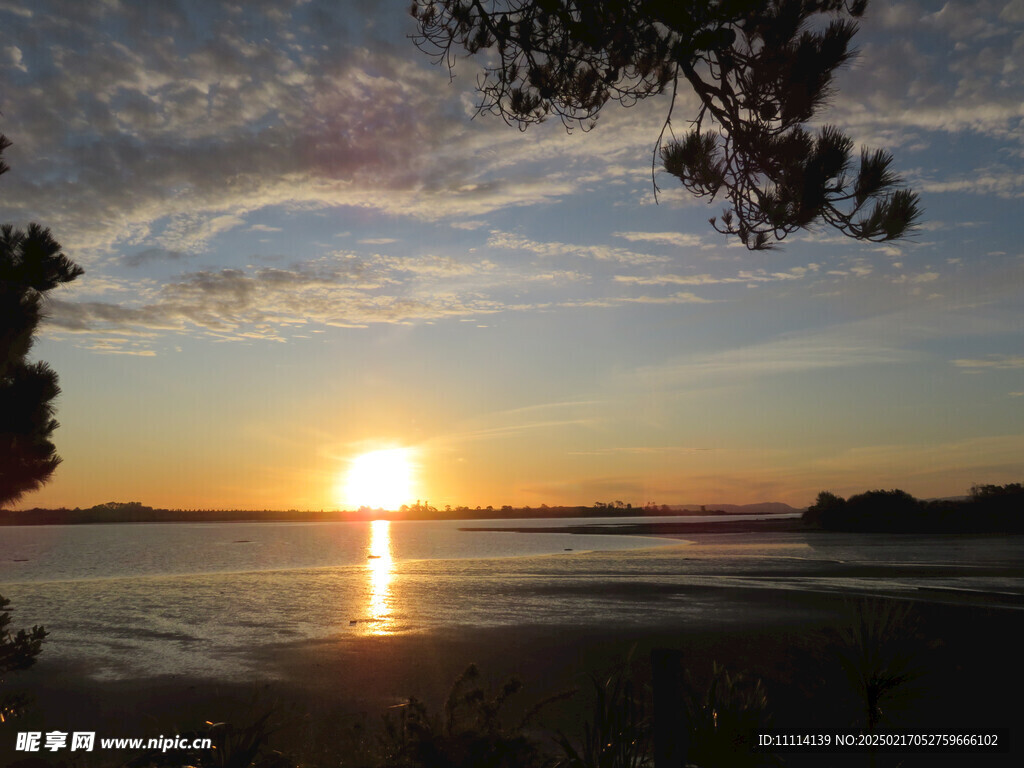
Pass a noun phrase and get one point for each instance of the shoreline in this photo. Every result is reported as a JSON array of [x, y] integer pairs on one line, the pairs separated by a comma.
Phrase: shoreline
[[672, 529], [129, 514]]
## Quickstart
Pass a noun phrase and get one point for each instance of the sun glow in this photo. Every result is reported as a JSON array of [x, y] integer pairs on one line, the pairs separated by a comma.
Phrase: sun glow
[[380, 479]]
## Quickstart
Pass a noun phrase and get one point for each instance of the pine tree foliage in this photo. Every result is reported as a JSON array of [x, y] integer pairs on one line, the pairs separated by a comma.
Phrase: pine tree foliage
[[761, 70], [31, 263]]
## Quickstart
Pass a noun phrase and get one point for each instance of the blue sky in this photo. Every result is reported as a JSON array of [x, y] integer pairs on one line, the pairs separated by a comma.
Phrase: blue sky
[[300, 245]]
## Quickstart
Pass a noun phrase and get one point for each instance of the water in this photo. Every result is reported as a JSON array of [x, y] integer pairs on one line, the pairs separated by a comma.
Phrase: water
[[150, 599], [75, 552]]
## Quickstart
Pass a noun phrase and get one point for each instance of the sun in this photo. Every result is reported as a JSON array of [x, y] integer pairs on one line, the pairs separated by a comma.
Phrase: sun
[[380, 479]]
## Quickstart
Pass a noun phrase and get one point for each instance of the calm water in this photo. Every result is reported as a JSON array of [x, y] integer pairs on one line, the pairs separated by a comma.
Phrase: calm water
[[150, 599]]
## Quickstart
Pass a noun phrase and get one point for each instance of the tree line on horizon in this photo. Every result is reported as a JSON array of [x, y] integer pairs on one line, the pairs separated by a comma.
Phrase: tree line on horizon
[[137, 512], [988, 508]]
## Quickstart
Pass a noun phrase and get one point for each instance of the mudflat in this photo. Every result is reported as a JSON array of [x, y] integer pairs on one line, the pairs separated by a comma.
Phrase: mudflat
[[965, 659]]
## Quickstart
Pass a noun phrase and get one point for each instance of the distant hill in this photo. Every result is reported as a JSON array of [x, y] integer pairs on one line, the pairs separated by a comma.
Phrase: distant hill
[[762, 508]]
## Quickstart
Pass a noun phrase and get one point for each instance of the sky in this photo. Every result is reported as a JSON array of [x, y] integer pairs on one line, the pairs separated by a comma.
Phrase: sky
[[301, 246]]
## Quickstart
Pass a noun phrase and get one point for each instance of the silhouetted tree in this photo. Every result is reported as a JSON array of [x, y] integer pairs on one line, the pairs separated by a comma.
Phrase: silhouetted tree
[[31, 263], [997, 507], [991, 492], [825, 510], [893, 510], [17, 651], [760, 68], [990, 509]]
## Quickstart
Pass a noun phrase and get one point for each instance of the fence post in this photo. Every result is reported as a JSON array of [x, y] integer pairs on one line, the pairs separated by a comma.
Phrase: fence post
[[671, 731]]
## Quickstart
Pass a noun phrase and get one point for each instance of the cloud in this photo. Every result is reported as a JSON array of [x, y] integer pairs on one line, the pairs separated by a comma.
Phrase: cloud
[[641, 450], [677, 239], [14, 58], [870, 341], [191, 232], [17, 10], [116, 346], [923, 277], [968, 461], [985, 181], [511, 422], [1013, 12], [150, 255], [921, 71], [992, 362], [172, 131], [511, 430], [343, 290], [178, 127], [743, 277], [162, 139], [510, 241], [684, 297], [791, 355]]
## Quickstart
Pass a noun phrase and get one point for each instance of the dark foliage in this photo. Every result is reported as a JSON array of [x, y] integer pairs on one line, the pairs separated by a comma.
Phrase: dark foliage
[[471, 734], [618, 735], [31, 263], [990, 508], [17, 652], [879, 650], [231, 747], [722, 717], [761, 69]]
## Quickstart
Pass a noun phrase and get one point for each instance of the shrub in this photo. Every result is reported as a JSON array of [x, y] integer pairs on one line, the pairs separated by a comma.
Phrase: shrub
[[17, 651]]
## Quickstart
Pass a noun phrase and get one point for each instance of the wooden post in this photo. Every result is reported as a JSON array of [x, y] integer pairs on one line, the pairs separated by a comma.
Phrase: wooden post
[[671, 731]]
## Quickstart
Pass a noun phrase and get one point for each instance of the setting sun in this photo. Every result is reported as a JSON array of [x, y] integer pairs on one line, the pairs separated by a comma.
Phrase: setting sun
[[380, 479]]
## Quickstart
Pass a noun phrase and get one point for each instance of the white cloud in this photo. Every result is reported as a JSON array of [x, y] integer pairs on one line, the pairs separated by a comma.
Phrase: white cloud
[[678, 239], [683, 297], [743, 277], [14, 58], [192, 232], [346, 289], [923, 277], [510, 241], [991, 181], [953, 70]]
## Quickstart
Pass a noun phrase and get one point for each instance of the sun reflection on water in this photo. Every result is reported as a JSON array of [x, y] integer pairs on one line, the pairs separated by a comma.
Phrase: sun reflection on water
[[379, 565]]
